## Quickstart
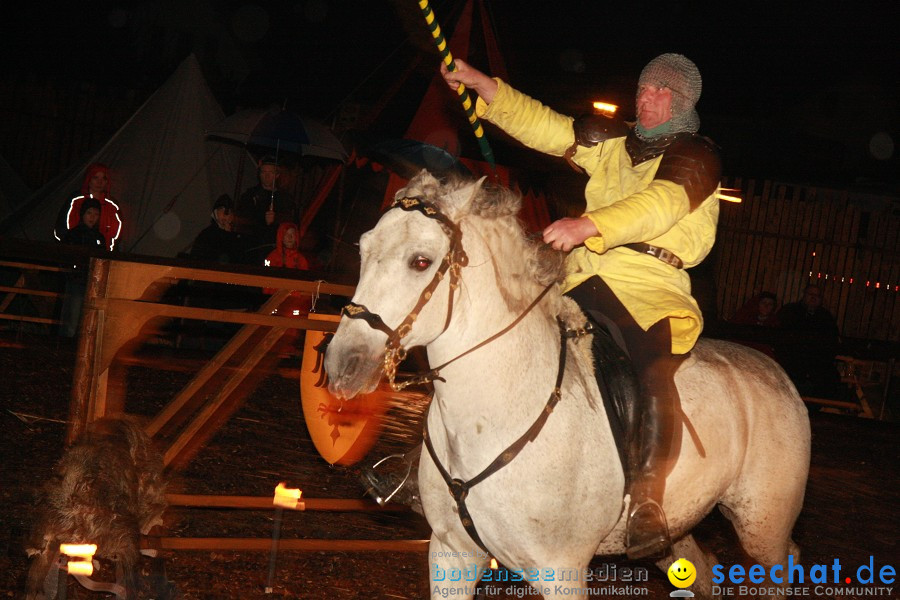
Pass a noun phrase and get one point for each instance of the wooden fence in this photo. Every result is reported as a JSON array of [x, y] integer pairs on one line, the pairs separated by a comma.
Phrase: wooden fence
[[785, 236]]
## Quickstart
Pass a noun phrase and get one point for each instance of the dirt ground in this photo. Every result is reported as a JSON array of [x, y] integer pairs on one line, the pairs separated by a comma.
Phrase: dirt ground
[[850, 509]]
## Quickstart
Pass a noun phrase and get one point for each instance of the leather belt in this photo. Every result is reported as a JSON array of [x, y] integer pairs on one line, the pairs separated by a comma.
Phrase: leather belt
[[667, 256]]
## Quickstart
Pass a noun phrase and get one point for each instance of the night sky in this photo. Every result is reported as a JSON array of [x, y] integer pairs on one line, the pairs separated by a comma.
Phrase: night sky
[[807, 92]]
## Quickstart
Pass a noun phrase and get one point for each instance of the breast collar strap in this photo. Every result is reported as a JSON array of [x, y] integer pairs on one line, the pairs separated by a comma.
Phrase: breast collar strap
[[453, 261], [459, 489]]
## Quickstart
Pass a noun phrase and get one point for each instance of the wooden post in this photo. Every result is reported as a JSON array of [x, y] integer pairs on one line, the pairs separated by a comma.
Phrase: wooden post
[[84, 385]]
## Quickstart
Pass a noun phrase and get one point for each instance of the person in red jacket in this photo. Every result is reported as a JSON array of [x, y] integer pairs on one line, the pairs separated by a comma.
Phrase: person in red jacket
[[287, 255], [96, 185]]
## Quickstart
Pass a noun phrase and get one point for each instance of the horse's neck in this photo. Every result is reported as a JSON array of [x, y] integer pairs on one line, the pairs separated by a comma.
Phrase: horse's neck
[[502, 386]]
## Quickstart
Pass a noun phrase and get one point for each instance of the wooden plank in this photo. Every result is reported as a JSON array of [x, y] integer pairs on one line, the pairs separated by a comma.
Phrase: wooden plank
[[746, 267], [265, 544], [757, 260], [33, 266], [26, 292], [783, 263], [9, 297], [131, 280], [127, 318], [839, 260], [210, 369], [25, 319], [265, 503]]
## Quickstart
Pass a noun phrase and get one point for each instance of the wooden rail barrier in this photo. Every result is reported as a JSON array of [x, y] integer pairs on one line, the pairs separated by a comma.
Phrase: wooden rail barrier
[[265, 544], [123, 296]]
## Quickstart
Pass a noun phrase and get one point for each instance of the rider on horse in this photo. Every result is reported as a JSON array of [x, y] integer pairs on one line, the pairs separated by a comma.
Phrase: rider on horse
[[651, 213]]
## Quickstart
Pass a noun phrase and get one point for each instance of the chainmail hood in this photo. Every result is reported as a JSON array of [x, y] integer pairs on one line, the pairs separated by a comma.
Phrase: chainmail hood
[[680, 75]]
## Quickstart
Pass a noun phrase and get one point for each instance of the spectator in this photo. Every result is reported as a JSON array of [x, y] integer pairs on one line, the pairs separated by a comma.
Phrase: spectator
[[287, 255], [262, 208], [85, 233], [810, 344], [758, 311], [96, 185], [219, 241]]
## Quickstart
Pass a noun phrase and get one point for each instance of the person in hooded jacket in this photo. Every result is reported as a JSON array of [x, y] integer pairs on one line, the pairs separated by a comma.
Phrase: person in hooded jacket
[[85, 233], [287, 255], [219, 241], [651, 212], [96, 185]]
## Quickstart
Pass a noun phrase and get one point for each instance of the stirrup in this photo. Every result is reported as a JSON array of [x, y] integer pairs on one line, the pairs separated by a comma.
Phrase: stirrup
[[382, 489], [658, 544]]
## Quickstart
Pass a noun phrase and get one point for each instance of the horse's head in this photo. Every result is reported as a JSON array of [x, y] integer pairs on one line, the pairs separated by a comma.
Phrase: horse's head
[[410, 265], [400, 257]]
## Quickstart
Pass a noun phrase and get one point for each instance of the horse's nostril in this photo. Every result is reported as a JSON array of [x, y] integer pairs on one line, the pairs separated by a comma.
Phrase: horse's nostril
[[352, 372]]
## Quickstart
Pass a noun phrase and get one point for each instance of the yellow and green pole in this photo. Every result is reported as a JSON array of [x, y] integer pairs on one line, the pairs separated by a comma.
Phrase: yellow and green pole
[[464, 97]]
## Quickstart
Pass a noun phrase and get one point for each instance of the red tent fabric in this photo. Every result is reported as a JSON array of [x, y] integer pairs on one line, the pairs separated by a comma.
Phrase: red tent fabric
[[436, 123]]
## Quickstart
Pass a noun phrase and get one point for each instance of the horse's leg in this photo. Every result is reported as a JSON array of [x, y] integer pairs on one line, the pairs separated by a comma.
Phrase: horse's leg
[[764, 519], [454, 569], [702, 560]]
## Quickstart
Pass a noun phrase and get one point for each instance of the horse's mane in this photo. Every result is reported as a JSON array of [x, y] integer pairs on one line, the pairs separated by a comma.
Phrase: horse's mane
[[527, 263], [524, 265]]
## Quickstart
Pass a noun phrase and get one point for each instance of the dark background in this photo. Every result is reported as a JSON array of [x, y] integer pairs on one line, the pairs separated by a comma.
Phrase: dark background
[[792, 90]]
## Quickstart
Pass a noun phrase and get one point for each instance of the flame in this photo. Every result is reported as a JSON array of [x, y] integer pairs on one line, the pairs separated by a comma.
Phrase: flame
[[606, 108], [84, 553], [79, 550], [287, 497], [80, 567], [494, 563], [727, 197]]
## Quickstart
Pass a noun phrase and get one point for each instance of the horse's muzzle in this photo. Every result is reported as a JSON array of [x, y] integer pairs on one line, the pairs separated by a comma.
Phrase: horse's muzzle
[[353, 371]]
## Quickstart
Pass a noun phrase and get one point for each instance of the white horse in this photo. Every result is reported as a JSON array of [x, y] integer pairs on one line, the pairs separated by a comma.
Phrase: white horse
[[560, 500]]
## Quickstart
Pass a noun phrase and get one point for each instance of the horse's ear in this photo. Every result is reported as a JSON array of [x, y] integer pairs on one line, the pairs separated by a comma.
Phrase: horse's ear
[[459, 201], [422, 185]]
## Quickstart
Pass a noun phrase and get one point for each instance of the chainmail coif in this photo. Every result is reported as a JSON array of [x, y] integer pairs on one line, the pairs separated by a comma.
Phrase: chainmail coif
[[679, 74]]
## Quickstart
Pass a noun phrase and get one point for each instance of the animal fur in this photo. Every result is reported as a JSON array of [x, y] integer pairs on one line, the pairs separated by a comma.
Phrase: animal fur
[[107, 489]]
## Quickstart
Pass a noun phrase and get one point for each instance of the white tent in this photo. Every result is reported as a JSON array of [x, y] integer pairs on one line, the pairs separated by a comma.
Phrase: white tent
[[165, 173]]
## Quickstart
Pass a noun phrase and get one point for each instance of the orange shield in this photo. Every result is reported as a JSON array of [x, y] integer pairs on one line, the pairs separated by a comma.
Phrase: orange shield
[[343, 431]]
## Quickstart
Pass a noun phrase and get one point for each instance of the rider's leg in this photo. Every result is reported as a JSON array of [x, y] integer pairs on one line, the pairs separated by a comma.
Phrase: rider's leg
[[651, 449], [649, 425]]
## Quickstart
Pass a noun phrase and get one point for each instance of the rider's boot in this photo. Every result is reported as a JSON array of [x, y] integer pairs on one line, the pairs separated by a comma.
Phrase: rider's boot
[[648, 448], [395, 478]]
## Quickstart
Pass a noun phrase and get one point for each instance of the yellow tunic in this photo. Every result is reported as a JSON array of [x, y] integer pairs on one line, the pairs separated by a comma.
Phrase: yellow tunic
[[627, 205]]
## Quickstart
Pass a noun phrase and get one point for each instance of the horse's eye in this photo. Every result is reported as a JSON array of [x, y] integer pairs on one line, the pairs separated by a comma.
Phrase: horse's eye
[[420, 263]]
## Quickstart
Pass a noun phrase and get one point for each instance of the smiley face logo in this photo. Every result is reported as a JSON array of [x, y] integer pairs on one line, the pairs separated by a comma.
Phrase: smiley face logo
[[682, 573]]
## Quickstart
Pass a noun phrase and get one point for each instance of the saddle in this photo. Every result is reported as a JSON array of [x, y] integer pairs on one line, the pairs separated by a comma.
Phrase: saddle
[[620, 390], [618, 384]]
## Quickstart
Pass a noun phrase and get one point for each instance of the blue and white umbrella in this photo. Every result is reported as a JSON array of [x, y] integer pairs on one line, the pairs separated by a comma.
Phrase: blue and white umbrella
[[280, 131]]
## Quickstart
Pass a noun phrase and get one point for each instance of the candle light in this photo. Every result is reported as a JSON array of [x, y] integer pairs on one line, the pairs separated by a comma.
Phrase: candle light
[[288, 497], [84, 553]]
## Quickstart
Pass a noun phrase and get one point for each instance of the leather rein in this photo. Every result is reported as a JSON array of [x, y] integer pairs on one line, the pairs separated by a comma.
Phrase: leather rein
[[454, 260]]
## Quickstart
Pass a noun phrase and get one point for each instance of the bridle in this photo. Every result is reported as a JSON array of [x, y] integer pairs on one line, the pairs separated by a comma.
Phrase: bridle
[[454, 260]]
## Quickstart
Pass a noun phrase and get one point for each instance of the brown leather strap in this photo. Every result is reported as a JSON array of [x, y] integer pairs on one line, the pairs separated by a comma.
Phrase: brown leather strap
[[667, 256], [458, 488]]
